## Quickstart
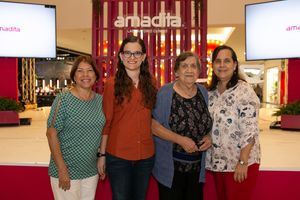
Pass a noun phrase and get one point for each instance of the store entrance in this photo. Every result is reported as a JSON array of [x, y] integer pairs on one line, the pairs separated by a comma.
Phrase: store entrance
[[272, 91]]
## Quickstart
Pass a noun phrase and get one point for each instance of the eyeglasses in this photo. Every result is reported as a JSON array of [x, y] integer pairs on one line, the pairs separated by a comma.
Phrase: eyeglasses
[[136, 54]]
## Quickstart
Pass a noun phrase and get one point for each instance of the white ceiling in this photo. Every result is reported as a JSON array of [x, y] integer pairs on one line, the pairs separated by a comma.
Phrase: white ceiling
[[74, 20]]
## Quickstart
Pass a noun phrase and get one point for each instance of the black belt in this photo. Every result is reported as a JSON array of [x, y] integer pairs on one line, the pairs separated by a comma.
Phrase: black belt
[[187, 157]]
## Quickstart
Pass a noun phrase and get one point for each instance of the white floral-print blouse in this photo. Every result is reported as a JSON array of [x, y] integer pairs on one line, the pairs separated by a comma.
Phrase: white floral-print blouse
[[235, 124]]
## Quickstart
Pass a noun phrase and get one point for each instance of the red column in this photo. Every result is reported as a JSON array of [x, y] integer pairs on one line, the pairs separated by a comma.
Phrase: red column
[[282, 86], [9, 78], [203, 32], [293, 83]]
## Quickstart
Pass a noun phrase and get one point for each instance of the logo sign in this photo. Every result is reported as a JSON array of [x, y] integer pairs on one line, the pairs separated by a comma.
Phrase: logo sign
[[161, 21], [10, 29], [293, 28]]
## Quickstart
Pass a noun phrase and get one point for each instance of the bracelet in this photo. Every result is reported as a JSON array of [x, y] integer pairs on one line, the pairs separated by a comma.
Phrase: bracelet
[[243, 163], [100, 155]]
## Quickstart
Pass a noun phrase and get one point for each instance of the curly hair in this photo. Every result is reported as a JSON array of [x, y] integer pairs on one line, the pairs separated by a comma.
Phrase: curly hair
[[123, 83]]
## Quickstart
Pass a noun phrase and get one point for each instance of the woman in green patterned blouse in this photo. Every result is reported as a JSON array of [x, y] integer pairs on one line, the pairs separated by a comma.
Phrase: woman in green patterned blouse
[[74, 131]]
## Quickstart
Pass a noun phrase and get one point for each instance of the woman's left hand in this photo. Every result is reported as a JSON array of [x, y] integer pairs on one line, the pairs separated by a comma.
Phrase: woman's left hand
[[240, 173], [205, 143]]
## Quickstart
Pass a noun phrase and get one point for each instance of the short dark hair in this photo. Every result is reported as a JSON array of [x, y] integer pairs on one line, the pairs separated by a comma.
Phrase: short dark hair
[[86, 59], [235, 77], [183, 56]]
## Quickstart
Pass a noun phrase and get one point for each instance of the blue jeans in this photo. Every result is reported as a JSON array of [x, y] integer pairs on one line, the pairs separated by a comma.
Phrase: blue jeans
[[129, 179]]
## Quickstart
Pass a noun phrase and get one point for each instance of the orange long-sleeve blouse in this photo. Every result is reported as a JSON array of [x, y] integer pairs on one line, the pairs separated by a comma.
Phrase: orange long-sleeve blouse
[[128, 125]]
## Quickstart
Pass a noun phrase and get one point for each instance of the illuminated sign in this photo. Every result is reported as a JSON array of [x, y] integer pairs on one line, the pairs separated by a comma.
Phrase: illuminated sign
[[160, 21]]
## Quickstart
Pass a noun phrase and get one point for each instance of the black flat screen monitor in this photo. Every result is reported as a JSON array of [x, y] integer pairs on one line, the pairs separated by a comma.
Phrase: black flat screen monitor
[[273, 30], [27, 30]]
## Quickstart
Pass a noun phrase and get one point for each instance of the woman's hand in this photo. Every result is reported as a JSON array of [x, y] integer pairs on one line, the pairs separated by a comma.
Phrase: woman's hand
[[240, 173], [187, 144], [64, 181], [205, 143], [241, 169], [101, 167]]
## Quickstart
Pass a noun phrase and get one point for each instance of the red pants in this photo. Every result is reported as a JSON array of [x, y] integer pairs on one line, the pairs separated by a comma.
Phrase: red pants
[[228, 189]]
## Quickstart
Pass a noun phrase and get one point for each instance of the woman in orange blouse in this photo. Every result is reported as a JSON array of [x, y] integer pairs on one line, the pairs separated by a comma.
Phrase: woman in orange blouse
[[127, 149]]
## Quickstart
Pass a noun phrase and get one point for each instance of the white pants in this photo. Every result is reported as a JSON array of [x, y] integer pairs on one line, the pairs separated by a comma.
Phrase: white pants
[[83, 189]]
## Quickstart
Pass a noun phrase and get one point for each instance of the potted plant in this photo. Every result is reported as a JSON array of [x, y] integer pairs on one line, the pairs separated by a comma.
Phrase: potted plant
[[290, 115], [9, 111]]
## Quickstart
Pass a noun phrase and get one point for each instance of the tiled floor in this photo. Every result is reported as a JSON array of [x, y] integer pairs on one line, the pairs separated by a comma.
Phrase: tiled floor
[[27, 145], [280, 148]]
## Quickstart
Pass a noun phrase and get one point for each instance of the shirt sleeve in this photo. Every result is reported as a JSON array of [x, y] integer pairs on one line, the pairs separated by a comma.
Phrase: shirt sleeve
[[57, 114], [108, 106], [248, 110]]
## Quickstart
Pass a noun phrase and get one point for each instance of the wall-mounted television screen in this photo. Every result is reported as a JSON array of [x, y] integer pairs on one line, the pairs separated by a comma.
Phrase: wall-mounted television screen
[[273, 30], [27, 30]]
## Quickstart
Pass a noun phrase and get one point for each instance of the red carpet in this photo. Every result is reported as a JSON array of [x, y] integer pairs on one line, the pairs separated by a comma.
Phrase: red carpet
[[32, 183]]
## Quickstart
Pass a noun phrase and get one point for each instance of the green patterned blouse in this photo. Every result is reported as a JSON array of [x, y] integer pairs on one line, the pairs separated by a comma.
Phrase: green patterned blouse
[[79, 126]]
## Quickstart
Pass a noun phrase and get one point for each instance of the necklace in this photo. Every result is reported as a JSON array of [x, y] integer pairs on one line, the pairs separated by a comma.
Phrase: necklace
[[187, 91], [135, 83], [84, 97]]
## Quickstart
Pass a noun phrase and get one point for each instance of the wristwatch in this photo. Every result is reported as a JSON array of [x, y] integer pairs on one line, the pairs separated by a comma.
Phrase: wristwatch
[[100, 154], [241, 162]]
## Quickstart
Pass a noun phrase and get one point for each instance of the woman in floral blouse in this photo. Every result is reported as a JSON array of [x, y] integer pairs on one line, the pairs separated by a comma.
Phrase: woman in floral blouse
[[234, 156]]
